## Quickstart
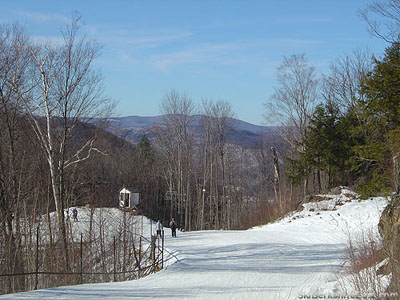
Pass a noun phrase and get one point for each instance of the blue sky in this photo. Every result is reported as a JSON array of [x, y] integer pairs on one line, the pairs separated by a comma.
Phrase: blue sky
[[226, 50]]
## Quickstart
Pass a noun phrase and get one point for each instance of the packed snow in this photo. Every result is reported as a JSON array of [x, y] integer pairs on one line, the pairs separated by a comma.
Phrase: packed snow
[[296, 257]]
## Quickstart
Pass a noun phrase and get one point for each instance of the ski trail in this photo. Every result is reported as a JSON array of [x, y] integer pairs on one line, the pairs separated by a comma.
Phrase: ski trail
[[295, 257]]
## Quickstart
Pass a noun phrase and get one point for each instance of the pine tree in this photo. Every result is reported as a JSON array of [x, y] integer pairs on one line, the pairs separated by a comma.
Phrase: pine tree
[[327, 147], [147, 179], [380, 129]]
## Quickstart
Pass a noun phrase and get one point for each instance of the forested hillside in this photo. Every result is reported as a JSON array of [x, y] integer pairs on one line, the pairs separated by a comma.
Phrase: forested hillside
[[352, 136], [132, 129]]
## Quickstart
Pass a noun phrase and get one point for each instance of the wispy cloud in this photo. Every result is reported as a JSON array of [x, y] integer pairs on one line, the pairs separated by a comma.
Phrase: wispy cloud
[[302, 20], [140, 39], [41, 39], [219, 53], [233, 53], [290, 42], [151, 40], [43, 17]]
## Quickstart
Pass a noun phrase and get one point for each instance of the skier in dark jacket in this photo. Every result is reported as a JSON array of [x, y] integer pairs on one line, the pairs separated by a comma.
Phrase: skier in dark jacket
[[75, 214], [172, 224]]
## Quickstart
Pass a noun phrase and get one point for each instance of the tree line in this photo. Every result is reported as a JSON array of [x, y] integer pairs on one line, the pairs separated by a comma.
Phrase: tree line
[[343, 126], [48, 93], [210, 183]]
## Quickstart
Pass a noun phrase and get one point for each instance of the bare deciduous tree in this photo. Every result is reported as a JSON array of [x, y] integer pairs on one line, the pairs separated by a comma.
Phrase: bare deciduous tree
[[383, 19], [223, 120], [294, 100], [343, 83], [218, 118], [178, 109], [64, 92], [13, 65]]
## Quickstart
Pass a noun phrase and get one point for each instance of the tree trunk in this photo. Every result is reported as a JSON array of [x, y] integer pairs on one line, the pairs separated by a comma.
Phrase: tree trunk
[[277, 183], [396, 173], [58, 201]]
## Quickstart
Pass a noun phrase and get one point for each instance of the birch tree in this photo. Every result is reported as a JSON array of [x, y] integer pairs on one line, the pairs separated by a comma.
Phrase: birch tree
[[177, 109], [217, 120], [223, 115], [209, 185], [64, 92], [294, 97], [13, 65], [294, 100]]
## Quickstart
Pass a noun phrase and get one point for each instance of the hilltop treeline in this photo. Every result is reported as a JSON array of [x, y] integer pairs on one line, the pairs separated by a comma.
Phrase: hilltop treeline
[[351, 131]]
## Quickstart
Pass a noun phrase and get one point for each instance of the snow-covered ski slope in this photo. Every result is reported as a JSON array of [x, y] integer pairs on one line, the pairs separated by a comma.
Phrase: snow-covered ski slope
[[299, 256]]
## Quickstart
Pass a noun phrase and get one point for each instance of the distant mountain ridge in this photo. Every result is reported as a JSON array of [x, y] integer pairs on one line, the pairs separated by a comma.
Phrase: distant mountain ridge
[[132, 128]]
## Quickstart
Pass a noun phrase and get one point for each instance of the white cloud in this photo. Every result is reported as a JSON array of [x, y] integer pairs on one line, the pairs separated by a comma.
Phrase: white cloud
[[139, 39], [216, 53], [155, 39], [43, 17], [225, 53], [302, 20], [41, 39]]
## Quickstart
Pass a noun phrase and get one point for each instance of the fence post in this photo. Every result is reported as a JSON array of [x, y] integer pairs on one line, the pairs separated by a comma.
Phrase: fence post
[[124, 249], [162, 249], [81, 258], [140, 256], [37, 259], [115, 262], [153, 252], [153, 247]]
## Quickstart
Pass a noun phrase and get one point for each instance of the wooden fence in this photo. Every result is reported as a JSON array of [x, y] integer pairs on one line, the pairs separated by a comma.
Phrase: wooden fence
[[120, 260]]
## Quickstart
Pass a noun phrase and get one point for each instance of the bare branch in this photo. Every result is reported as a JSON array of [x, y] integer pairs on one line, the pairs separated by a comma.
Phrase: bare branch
[[383, 19], [294, 98], [343, 84], [75, 159]]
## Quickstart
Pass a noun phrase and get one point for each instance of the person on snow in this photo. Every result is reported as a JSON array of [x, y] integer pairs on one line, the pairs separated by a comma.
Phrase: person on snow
[[75, 214], [159, 228], [172, 224]]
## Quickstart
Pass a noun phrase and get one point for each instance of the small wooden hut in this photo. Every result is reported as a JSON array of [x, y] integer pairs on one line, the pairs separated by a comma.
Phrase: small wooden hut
[[129, 198]]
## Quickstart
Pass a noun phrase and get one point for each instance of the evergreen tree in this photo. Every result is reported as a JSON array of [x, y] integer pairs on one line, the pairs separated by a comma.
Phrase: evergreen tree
[[148, 180], [327, 147], [144, 154], [380, 129]]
